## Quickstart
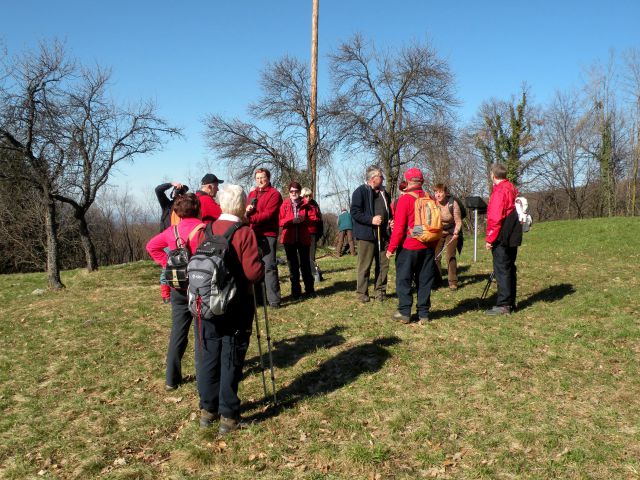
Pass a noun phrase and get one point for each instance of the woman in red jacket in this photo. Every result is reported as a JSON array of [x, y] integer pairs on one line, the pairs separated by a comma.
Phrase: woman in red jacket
[[187, 207], [295, 217]]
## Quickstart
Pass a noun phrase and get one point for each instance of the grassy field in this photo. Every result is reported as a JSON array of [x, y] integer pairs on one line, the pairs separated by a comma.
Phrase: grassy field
[[553, 391]]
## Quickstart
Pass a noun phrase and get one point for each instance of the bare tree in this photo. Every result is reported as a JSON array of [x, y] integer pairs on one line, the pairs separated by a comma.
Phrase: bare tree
[[632, 83], [99, 136], [566, 165], [33, 108], [389, 103], [284, 105]]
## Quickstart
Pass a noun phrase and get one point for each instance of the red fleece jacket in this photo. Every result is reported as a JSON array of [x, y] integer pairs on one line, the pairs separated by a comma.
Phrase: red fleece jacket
[[166, 238], [264, 219], [501, 203], [404, 220]]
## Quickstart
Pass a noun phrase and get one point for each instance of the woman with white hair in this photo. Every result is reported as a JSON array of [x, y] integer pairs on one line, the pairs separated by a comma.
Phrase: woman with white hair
[[316, 229], [224, 341]]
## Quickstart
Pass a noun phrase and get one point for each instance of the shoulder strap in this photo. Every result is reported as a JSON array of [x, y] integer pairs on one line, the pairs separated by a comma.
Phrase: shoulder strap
[[179, 243], [231, 230], [450, 201], [197, 228], [413, 194]]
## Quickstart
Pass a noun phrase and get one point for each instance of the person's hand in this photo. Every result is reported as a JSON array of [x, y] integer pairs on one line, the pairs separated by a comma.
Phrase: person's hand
[[389, 254], [377, 220], [391, 223], [455, 236], [488, 246], [177, 185], [250, 208]]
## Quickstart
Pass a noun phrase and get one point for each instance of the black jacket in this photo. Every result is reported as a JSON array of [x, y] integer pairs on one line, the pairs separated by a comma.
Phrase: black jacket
[[165, 203], [362, 213]]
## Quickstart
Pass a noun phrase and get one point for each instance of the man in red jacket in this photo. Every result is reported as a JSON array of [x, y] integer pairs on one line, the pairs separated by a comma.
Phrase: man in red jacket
[[209, 209], [504, 235], [414, 259], [263, 209]]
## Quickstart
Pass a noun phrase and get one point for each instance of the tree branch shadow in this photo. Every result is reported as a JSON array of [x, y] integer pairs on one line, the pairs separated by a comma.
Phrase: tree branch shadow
[[331, 375]]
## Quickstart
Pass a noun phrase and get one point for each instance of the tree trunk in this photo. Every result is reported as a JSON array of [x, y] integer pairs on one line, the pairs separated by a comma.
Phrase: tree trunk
[[53, 267], [87, 244]]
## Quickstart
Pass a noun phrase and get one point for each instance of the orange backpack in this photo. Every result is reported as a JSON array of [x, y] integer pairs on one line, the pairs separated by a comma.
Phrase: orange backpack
[[428, 224]]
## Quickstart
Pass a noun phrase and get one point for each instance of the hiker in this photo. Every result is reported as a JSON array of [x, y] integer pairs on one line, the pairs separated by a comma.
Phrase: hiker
[[451, 216], [345, 227], [187, 207], [316, 229], [263, 211], [209, 209], [225, 340], [295, 217], [504, 236], [166, 204], [414, 260], [402, 187], [370, 210]]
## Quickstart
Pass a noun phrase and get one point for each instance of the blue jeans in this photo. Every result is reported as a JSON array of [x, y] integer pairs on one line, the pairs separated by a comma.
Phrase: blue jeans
[[418, 266]]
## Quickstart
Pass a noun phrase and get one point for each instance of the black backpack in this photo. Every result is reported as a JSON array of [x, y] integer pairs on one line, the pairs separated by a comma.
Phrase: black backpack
[[178, 259], [211, 284], [463, 210]]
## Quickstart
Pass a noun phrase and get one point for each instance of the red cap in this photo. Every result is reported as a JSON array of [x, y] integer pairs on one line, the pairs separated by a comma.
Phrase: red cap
[[413, 175]]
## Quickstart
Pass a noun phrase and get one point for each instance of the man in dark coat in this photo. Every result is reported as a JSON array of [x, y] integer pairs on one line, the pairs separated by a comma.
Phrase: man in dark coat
[[371, 214]]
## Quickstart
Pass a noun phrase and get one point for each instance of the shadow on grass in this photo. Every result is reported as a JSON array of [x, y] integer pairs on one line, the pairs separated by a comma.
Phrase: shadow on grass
[[552, 293], [289, 351], [337, 269], [341, 286], [329, 376]]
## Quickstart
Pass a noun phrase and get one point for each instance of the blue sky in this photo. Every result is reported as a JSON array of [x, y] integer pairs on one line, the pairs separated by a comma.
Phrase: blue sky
[[200, 57]]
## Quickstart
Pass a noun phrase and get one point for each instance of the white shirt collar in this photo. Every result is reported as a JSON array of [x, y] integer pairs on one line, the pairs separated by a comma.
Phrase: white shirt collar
[[228, 216]]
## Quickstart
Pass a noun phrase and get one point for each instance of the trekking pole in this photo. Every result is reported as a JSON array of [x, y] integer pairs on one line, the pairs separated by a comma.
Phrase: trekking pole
[[255, 314], [266, 327], [487, 286], [444, 247]]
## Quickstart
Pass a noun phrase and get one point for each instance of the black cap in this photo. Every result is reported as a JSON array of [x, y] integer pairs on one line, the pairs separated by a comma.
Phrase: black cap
[[210, 178]]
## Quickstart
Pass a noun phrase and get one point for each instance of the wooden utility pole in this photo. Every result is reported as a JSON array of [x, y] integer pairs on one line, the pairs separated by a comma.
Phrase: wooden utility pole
[[312, 136]]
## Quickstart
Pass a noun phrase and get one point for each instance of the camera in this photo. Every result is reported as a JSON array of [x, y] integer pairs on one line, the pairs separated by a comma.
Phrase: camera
[[176, 192]]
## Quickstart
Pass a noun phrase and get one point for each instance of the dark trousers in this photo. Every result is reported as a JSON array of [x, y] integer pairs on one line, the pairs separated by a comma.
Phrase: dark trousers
[[418, 266], [312, 252], [298, 260], [179, 337], [340, 242], [505, 271], [271, 280], [221, 358], [367, 253]]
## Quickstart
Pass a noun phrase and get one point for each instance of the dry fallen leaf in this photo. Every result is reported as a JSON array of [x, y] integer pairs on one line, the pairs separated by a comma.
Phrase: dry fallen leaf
[[173, 399], [118, 462]]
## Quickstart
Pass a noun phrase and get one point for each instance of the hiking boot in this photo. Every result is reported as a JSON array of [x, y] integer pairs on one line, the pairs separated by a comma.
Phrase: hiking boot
[[423, 320], [207, 418], [499, 310], [453, 286], [381, 297], [398, 317], [274, 305], [363, 297], [170, 388], [228, 425]]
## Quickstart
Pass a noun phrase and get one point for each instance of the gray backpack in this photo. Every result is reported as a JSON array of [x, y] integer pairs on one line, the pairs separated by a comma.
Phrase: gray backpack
[[211, 285]]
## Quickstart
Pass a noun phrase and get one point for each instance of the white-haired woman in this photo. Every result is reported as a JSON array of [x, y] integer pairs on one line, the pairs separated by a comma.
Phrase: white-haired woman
[[225, 340]]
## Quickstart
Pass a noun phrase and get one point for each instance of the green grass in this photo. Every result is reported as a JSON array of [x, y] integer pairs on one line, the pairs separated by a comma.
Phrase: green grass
[[549, 392]]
